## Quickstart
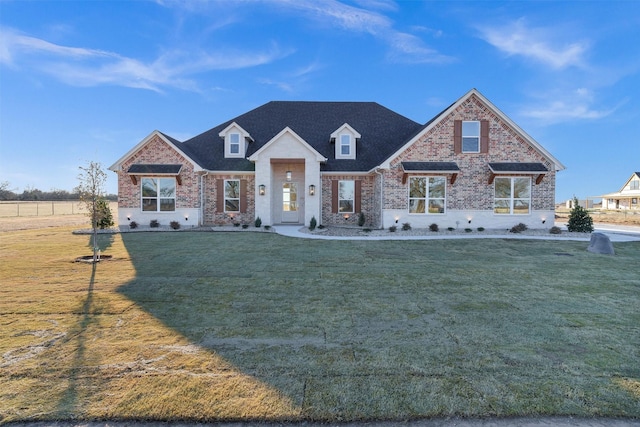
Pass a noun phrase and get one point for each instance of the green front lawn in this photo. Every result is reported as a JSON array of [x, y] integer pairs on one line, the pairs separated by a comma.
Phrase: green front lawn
[[211, 326]]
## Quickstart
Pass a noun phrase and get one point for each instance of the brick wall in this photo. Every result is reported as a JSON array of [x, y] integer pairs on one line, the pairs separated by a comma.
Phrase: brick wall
[[367, 201], [471, 189], [156, 151], [214, 214]]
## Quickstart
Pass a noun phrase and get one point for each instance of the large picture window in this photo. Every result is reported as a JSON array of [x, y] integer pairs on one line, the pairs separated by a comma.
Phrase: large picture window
[[512, 196], [427, 194], [158, 194], [346, 193], [232, 195]]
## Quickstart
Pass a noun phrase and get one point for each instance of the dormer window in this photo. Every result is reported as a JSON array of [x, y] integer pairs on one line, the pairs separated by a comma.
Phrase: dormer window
[[345, 138], [345, 145], [236, 141]]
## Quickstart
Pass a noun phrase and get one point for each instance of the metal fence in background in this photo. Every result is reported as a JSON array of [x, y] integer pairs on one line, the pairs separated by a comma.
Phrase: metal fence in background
[[46, 208]]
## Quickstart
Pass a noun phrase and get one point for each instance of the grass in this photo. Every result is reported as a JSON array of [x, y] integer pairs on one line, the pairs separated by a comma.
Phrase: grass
[[255, 326]]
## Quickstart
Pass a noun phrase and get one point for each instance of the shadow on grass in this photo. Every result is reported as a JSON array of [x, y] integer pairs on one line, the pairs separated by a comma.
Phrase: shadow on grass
[[395, 330], [70, 403]]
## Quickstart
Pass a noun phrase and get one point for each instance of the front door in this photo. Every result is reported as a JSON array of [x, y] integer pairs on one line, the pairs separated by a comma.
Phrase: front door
[[290, 202]]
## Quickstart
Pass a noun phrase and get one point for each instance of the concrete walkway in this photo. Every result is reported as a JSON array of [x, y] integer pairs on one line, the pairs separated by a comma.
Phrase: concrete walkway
[[615, 233]]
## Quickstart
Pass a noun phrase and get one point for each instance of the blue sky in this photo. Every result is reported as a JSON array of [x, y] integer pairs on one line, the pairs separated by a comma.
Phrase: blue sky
[[86, 81]]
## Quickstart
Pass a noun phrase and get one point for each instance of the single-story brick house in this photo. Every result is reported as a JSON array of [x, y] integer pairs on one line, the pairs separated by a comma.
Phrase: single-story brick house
[[289, 162], [627, 197]]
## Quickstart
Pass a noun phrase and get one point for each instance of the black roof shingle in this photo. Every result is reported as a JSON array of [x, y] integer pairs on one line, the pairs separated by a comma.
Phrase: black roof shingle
[[383, 131]]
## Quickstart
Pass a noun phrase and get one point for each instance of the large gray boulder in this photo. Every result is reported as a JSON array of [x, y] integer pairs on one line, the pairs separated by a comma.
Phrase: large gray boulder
[[600, 244]]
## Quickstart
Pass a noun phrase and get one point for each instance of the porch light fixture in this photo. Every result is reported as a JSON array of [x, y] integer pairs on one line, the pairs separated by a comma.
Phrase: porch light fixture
[[312, 190], [262, 190], [288, 174], [346, 216]]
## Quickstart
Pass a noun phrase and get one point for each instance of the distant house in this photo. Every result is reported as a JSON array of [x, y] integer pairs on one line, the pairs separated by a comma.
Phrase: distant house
[[627, 197], [289, 162]]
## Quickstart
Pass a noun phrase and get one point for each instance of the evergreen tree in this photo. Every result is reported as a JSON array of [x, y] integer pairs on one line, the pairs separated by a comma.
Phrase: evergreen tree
[[105, 217], [579, 219]]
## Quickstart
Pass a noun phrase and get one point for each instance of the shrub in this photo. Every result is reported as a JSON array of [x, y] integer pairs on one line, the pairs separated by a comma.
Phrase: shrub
[[245, 226], [480, 228], [321, 227], [518, 228], [579, 219], [133, 225], [154, 223], [175, 225], [361, 219], [258, 222], [236, 224], [433, 227], [450, 228], [406, 226], [555, 230], [313, 223], [468, 230], [267, 227], [393, 228], [366, 230]]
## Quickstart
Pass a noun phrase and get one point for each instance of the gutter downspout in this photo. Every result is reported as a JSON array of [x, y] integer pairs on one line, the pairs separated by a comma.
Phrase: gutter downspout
[[201, 222], [377, 171]]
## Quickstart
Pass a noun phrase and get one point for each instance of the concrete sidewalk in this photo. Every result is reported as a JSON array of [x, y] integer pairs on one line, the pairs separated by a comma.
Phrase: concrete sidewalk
[[615, 234]]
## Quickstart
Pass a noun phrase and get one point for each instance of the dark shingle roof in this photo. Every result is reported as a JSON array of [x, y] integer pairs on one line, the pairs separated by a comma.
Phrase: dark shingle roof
[[430, 167], [159, 169], [382, 132], [518, 167]]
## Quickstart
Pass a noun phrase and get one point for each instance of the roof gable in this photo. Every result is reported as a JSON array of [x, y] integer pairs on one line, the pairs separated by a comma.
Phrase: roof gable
[[473, 92], [278, 138], [171, 142]]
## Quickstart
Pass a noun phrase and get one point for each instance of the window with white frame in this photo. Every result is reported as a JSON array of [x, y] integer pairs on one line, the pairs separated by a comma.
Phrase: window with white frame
[[471, 137], [232, 195], [234, 144], [158, 194], [345, 145], [634, 185], [427, 194], [346, 196], [512, 195]]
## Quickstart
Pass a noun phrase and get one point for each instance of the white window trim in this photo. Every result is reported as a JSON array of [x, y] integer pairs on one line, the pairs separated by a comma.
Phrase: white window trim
[[426, 198], [225, 198], [511, 199], [228, 144], [158, 196], [470, 136], [353, 199]]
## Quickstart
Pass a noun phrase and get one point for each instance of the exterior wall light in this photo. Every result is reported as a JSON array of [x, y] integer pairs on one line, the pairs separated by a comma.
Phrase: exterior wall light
[[346, 216], [262, 190], [312, 190], [186, 217]]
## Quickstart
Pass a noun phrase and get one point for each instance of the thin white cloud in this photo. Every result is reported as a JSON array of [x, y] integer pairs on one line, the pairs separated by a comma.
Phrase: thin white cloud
[[543, 45], [91, 67], [404, 47], [561, 107]]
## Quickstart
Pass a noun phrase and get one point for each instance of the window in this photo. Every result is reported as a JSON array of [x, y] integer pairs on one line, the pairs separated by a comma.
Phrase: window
[[345, 145], [471, 137], [346, 192], [232, 195], [634, 185], [427, 194], [158, 194], [234, 143], [512, 196]]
